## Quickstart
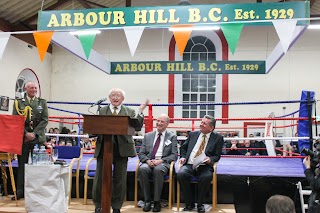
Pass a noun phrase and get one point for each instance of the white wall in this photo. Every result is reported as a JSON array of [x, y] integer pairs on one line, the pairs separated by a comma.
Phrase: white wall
[[79, 81], [70, 79], [17, 57], [296, 71]]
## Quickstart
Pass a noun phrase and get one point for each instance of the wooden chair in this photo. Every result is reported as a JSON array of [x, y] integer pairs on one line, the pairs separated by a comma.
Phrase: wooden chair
[[168, 179], [7, 156], [195, 180], [74, 153], [88, 174]]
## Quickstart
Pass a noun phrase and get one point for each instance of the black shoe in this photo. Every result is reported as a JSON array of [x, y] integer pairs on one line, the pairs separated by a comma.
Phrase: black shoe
[[116, 211], [156, 206], [19, 196], [97, 210], [188, 207], [201, 209], [147, 207]]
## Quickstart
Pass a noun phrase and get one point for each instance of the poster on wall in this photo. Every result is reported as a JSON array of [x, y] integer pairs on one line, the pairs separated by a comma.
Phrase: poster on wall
[[4, 103]]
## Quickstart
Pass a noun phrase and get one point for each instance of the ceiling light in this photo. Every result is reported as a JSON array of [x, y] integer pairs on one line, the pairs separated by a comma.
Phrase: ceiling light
[[314, 26], [85, 32], [201, 28]]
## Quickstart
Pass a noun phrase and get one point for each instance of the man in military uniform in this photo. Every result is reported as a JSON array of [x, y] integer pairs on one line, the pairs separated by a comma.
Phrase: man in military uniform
[[36, 111], [123, 147]]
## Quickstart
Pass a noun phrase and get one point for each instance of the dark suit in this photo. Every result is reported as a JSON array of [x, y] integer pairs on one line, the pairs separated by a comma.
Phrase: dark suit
[[123, 147], [203, 172], [314, 182], [169, 154], [37, 125]]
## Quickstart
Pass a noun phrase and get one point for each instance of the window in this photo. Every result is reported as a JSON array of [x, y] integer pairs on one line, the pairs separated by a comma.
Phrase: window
[[198, 88]]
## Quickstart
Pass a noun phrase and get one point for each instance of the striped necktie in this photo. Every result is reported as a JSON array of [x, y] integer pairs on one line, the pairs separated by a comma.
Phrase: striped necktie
[[115, 111], [156, 146], [202, 145]]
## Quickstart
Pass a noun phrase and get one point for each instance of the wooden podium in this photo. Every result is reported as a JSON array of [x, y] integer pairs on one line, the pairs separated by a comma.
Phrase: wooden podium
[[107, 126]]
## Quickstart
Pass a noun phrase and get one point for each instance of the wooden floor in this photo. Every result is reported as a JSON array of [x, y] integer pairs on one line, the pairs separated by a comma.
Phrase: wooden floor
[[6, 205]]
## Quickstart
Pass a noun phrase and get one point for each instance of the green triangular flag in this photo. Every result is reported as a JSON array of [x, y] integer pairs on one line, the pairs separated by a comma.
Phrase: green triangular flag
[[87, 42], [232, 34]]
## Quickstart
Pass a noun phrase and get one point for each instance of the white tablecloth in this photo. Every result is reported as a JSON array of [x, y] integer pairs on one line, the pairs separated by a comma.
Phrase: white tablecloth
[[46, 188]]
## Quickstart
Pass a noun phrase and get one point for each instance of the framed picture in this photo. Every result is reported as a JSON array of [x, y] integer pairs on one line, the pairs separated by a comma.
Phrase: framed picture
[[4, 103]]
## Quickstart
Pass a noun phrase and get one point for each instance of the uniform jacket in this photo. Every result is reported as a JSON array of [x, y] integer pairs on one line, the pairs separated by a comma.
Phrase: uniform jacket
[[39, 119], [169, 152], [213, 149], [126, 143]]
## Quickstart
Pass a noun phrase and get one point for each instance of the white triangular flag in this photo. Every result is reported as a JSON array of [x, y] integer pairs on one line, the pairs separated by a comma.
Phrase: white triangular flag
[[285, 30], [133, 35], [4, 38]]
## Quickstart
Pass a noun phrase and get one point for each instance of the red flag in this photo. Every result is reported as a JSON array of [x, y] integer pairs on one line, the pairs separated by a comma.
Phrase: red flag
[[11, 131]]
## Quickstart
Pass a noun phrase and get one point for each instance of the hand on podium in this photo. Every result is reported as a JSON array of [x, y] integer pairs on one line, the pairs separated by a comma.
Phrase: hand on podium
[[143, 106]]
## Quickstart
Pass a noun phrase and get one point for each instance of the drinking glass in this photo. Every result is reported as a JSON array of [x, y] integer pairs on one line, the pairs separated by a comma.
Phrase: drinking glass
[[54, 154]]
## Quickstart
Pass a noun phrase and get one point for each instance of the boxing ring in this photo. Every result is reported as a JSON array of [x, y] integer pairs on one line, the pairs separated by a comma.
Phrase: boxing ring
[[266, 167], [246, 181]]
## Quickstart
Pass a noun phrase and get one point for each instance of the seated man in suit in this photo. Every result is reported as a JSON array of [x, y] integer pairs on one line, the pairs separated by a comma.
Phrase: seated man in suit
[[157, 151], [204, 144]]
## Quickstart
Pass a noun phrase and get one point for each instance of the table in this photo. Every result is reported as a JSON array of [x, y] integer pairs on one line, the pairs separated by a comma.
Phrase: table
[[46, 188]]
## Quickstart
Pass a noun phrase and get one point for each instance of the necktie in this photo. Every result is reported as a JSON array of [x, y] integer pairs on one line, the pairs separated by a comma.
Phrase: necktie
[[156, 146], [115, 111], [202, 145], [31, 100]]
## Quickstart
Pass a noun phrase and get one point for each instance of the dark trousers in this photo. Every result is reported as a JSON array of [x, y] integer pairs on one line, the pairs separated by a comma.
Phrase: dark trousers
[[204, 173], [157, 173], [22, 160], [119, 182]]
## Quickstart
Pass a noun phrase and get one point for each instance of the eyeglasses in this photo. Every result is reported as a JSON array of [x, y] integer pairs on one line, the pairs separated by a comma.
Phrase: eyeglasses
[[115, 95]]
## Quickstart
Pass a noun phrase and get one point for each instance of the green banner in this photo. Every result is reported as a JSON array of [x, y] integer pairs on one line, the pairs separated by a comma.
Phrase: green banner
[[166, 16], [188, 67]]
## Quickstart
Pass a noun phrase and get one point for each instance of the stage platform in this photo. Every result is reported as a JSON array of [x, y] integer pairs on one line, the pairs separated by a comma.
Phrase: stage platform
[[77, 206], [234, 166], [245, 182], [267, 167]]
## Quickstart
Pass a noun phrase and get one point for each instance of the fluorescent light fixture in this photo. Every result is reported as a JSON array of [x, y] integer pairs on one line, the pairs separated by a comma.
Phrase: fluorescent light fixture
[[201, 28], [85, 32], [314, 26]]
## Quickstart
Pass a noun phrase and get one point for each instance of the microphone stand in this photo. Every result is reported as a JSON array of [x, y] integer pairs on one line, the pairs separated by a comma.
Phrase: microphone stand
[[98, 109]]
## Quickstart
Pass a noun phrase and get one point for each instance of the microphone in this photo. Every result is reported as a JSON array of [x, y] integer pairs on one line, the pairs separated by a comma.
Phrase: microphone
[[99, 102]]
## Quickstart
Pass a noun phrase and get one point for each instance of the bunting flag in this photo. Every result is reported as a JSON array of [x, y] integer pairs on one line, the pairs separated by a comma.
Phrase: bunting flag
[[87, 43], [133, 35], [285, 30], [182, 36], [232, 34], [42, 40], [3, 43], [11, 131]]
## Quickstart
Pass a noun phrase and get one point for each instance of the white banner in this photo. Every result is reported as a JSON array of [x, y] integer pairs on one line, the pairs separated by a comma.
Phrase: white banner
[[4, 38], [285, 30], [133, 35]]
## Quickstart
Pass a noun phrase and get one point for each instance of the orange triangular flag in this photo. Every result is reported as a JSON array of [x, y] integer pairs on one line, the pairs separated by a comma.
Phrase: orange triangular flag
[[182, 35], [42, 40]]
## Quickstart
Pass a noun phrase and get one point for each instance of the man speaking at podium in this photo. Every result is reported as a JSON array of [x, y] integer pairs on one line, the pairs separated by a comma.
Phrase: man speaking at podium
[[123, 147]]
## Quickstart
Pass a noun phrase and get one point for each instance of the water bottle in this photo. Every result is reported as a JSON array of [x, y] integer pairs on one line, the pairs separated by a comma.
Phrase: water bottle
[[42, 155], [35, 155], [30, 158]]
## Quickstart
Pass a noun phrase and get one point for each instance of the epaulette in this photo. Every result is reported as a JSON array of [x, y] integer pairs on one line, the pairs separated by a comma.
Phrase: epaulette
[[39, 98]]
